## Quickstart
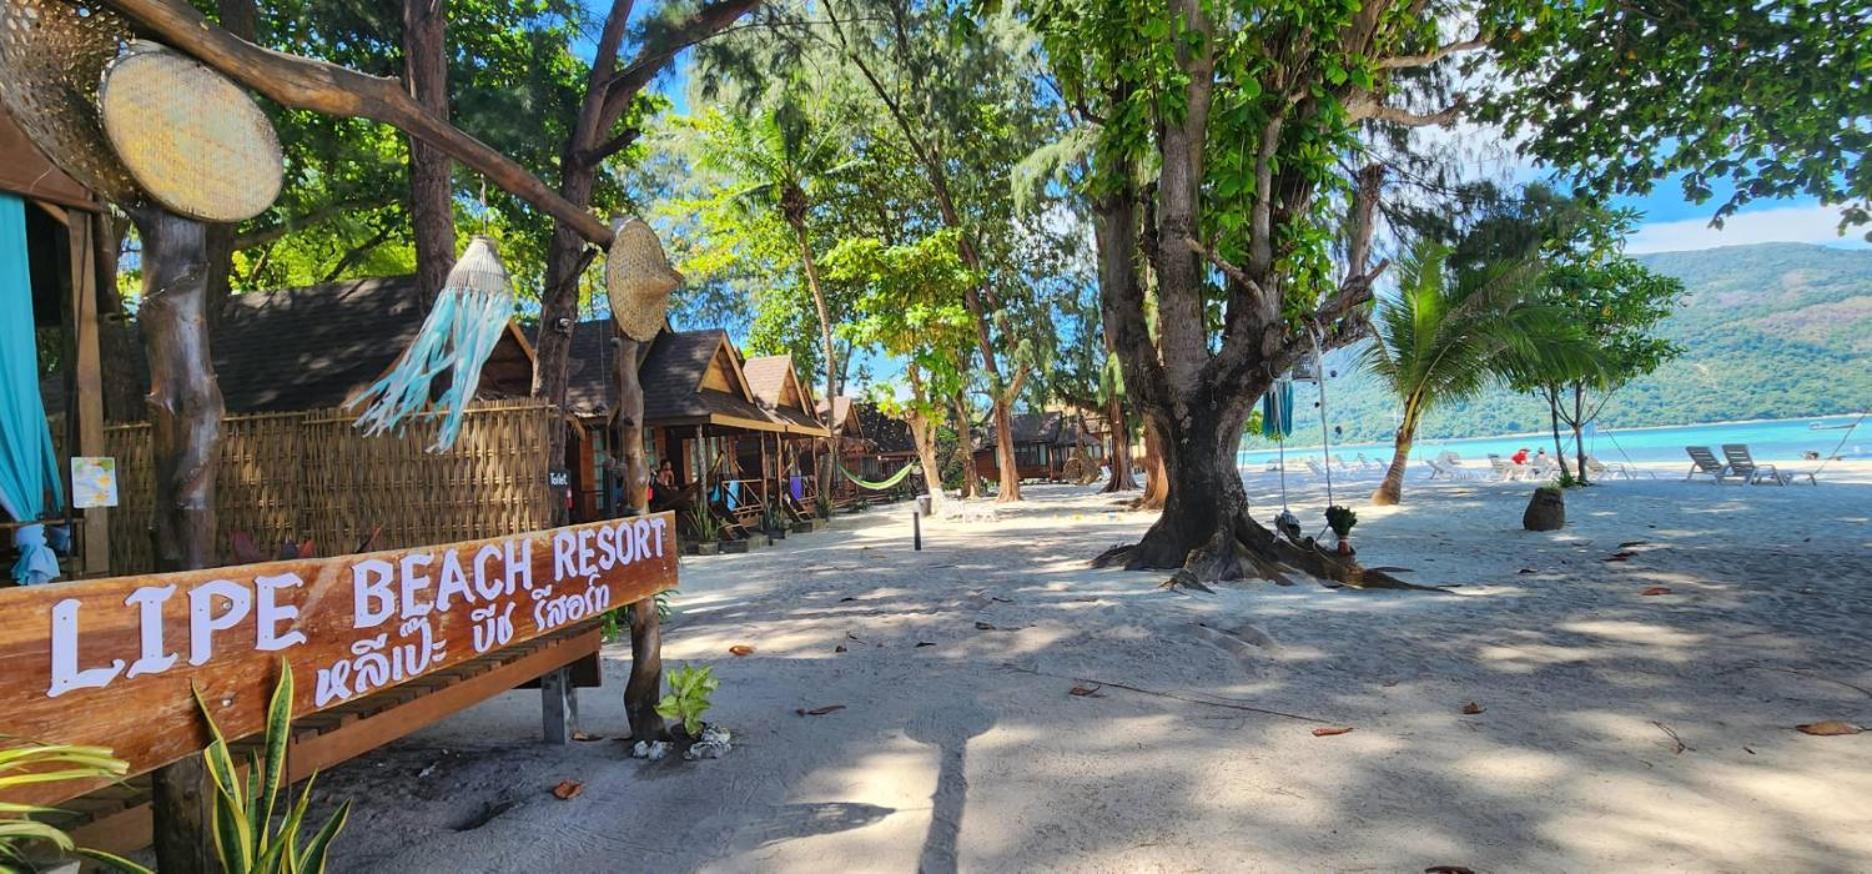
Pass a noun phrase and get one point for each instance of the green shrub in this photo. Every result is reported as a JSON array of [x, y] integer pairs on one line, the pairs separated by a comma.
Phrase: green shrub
[[1341, 519], [244, 835], [688, 698], [31, 763]]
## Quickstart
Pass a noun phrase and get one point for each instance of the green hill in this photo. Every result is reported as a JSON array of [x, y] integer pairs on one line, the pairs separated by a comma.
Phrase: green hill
[[1774, 330]]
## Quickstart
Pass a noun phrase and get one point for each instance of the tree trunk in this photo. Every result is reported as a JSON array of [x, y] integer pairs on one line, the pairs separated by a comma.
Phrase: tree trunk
[[1005, 463], [1121, 480], [1206, 489], [1206, 533], [1579, 442], [1553, 413], [828, 474], [646, 676], [965, 441], [1391, 489], [431, 196], [1156, 474], [184, 400], [923, 433]]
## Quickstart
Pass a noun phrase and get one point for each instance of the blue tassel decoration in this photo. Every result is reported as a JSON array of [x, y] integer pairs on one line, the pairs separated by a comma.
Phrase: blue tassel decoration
[[459, 334]]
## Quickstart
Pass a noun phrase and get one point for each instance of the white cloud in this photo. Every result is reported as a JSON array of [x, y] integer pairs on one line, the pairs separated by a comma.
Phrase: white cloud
[[1785, 224]]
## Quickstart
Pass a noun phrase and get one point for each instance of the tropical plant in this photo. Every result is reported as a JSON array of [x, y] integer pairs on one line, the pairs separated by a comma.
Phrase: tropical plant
[[781, 157], [616, 620], [703, 524], [244, 835], [1444, 333], [31, 763], [688, 698]]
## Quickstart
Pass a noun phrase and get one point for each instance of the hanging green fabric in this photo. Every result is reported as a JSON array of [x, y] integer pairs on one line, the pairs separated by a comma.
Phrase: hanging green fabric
[[28, 467], [884, 485]]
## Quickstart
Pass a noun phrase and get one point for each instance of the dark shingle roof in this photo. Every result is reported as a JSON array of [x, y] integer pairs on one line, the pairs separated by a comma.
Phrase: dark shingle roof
[[766, 377], [885, 433], [1051, 427], [309, 348]]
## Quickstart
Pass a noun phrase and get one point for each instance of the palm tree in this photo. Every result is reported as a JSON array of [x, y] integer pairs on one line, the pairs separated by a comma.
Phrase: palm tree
[[784, 155], [1446, 334]]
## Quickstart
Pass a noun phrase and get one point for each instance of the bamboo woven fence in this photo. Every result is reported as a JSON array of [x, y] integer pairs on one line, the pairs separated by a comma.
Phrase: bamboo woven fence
[[293, 476]]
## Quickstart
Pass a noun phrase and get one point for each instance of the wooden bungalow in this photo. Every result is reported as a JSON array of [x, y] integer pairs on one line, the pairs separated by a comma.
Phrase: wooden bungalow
[[886, 446], [701, 416], [779, 390], [1043, 442]]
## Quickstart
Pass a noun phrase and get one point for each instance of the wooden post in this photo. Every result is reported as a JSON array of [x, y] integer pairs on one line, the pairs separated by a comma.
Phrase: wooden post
[[185, 412], [184, 400], [646, 677], [95, 560], [558, 706]]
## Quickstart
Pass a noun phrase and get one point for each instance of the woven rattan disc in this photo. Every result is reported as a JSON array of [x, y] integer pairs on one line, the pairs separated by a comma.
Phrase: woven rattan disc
[[192, 139], [52, 55], [638, 279]]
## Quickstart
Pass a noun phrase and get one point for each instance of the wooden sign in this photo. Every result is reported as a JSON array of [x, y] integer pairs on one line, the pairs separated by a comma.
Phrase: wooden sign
[[110, 662]]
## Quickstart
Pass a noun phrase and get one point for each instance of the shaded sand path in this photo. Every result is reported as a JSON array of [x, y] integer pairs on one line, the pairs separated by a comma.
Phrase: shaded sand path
[[970, 753]]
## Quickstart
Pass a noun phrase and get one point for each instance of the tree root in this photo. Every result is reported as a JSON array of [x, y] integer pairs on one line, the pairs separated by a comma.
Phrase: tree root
[[1245, 550]]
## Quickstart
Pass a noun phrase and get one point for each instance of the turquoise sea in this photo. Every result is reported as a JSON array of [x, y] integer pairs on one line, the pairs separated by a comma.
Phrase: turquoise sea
[[1775, 440]]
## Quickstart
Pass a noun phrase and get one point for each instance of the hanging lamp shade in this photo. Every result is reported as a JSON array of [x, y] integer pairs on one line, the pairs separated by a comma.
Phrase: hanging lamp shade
[[638, 279], [52, 59], [456, 338], [192, 139]]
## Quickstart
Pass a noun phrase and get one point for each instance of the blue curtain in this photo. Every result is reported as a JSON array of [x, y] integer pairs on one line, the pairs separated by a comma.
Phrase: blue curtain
[[28, 467]]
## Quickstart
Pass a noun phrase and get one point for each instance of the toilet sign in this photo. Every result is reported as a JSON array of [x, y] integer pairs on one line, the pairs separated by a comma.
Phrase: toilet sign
[[111, 662]]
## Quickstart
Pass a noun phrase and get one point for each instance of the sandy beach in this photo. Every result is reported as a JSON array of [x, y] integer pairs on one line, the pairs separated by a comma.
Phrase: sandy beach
[[1617, 731]]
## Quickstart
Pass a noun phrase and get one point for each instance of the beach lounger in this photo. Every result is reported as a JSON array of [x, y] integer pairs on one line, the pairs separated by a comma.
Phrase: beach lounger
[[1506, 470], [1753, 473], [1703, 462], [1599, 468], [1314, 468], [1452, 465]]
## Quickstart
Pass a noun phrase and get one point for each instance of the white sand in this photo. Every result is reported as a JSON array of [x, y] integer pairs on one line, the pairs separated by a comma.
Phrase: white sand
[[972, 755]]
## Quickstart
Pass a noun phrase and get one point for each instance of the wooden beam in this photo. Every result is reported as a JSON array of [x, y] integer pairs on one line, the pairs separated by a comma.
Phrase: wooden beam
[[558, 707], [95, 560], [319, 86]]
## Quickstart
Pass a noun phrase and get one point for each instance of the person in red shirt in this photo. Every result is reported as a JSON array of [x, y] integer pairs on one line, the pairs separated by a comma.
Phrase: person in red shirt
[[1519, 457]]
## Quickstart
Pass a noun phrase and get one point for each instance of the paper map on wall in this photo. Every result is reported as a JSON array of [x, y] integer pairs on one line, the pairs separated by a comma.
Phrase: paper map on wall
[[94, 481]]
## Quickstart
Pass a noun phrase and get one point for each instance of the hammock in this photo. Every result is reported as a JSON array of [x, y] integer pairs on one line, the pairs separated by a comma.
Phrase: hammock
[[460, 333], [884, 485]]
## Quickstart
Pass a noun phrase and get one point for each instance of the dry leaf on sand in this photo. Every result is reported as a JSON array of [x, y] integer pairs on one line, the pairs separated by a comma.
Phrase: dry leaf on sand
[[568, 790], [820, 711], [1829, 728], [1471, 709], [1091, 691], [1656, 590], [741, 649], [1330, 730]]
